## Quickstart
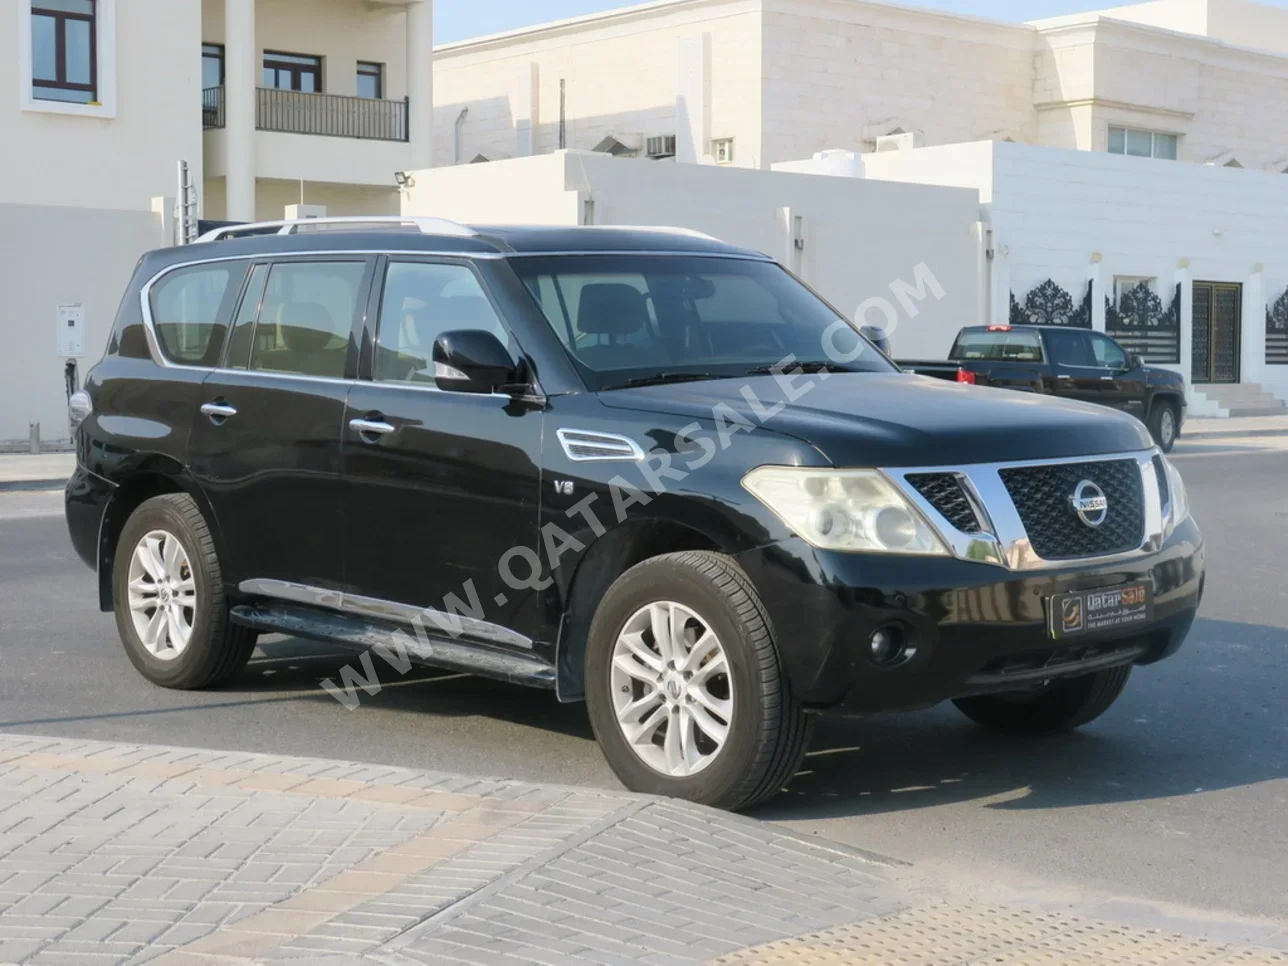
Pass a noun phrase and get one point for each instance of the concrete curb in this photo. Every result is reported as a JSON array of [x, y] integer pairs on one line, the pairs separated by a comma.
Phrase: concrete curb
[[1232, 434], [10, 486]]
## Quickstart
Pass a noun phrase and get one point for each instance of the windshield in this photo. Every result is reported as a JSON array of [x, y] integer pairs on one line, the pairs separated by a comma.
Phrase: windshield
[[641, 318]]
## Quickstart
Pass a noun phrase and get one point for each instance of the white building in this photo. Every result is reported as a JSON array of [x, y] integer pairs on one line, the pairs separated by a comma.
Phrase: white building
[[755, 82], [300, 101]]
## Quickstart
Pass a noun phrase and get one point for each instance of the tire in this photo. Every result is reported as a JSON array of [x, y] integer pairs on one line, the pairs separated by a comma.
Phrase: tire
[[767, 733], [1062, 706], [1163, 425], [215, 649]]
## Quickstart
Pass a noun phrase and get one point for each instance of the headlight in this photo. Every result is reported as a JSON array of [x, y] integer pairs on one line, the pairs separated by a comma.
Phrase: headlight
[[844, 509], [1180, 510]]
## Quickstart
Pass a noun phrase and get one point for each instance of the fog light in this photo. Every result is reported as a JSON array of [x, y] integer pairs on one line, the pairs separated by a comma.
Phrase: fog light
[[888, 646]]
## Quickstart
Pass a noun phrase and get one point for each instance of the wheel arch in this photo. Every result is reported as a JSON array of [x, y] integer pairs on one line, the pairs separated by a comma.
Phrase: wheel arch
[[603, 562], [148, 481]]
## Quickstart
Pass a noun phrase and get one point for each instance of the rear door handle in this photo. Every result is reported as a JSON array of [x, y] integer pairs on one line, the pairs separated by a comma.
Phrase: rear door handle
[[370, 427], [218, 412], [1063, 376]]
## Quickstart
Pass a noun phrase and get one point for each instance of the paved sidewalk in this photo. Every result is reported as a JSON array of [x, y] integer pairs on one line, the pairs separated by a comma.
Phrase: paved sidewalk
[[1207, 428], [25, 471], [131, 854]]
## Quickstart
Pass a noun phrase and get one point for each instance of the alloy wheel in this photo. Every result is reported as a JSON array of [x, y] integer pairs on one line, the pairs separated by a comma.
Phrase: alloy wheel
[[162, 595], [672, 689]]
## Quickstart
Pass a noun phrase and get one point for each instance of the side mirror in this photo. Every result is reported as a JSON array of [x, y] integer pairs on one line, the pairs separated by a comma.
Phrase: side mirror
[[1134, 361], [471, 360]]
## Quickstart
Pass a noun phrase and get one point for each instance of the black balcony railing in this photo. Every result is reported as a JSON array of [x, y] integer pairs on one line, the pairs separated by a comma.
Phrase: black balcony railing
[[329, 115], [212, 108]]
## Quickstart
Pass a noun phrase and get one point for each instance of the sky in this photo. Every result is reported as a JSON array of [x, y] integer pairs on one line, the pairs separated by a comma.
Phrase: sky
[[461, 19]]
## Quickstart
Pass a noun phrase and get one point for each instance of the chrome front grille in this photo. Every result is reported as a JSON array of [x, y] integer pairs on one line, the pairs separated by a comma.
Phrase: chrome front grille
[[945, 493], [1043, 496], [1022, 515]]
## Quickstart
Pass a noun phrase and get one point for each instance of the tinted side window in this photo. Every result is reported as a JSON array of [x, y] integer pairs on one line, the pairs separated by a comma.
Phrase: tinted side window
[[188, 309], [1070, 349], [306, 319], [1000, 346], [239, 342], [1108, 353], [421, 301]]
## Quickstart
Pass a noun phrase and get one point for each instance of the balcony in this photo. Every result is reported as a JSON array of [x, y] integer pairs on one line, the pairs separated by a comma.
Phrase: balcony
[[326, 115]]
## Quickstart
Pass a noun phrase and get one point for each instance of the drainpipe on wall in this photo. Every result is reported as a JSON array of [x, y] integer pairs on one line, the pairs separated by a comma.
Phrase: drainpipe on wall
[[456, 136]]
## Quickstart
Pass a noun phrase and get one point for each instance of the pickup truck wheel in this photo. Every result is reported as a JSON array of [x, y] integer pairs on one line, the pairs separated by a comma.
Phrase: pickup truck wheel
[[684, 685], [1061, 706], [1163, 425], [168, 594]]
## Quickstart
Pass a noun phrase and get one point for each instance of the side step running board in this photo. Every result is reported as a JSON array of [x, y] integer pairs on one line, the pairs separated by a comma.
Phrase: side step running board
[[400, 643]]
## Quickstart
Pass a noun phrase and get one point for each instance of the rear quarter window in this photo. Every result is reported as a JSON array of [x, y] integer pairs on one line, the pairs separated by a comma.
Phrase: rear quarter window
[[190, 307], [997, 347]]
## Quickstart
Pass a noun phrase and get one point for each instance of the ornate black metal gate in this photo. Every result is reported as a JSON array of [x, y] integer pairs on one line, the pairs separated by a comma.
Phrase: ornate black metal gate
[[1218, 307]]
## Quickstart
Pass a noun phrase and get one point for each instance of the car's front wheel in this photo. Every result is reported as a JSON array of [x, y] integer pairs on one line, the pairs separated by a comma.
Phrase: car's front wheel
[[684, 685], [1060, 706], [168, 594]]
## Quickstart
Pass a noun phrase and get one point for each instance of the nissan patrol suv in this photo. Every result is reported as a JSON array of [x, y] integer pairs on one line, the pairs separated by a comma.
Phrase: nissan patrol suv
[[635, 467]]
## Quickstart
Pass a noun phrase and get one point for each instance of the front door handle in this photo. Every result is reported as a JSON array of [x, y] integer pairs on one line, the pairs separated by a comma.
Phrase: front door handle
[[1063, 376], [370, 428], [218, 412]]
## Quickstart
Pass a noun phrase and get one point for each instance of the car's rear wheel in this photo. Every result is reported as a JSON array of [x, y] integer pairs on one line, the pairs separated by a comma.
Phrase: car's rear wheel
[[1060, 706], [168, 594], [684, 685], [1163, 425]]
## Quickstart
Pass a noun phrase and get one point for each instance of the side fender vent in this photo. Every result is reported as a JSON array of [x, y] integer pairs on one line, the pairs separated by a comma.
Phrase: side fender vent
[[586, 446]]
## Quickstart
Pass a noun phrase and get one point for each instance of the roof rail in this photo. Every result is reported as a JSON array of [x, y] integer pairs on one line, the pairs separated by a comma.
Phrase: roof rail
[[426, 226], [660, 229]]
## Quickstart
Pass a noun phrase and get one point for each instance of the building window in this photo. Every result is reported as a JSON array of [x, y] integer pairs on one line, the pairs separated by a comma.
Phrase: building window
[[212, 65], [371, 80], [292, 72], [1127, 283], [64, 51], [722, 150], [1143, 144]]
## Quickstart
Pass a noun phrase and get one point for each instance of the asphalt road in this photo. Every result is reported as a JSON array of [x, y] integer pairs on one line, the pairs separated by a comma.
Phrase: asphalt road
[[1178, 795]]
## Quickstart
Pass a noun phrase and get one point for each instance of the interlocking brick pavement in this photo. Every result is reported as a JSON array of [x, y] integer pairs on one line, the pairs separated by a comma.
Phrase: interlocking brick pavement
[[126, 854]]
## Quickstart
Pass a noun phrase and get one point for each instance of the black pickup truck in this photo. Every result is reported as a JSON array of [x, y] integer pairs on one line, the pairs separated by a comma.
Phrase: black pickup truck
[[1071, 363]]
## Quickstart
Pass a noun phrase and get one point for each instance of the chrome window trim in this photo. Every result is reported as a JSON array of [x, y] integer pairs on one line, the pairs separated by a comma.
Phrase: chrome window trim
[[473, 627], [159, 357], [1004, 541]]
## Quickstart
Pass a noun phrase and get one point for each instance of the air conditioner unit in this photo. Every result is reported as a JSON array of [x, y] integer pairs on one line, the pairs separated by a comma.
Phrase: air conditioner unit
[[903, 141], [660, 147]]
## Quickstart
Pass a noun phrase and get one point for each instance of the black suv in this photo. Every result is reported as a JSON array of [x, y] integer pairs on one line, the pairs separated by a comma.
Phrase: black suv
[[639, 468]]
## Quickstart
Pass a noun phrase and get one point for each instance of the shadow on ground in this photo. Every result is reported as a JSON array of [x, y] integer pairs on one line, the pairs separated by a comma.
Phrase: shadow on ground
[[1214, 716]]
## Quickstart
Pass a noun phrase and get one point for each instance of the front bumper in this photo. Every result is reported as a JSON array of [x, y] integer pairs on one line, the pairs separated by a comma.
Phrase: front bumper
[[975, 628]]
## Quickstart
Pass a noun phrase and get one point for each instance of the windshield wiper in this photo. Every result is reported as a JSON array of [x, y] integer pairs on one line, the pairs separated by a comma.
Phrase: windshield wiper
[[660, 377], [807, 367]]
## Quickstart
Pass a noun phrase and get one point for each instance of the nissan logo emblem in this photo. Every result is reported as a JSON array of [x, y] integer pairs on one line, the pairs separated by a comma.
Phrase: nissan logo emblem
[[1090, 503]]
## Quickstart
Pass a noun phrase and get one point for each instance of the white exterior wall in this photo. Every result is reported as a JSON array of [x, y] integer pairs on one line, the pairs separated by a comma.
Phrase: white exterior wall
[[1052, 212], [123, 155], [860, 236], [67, 255], [839, 73], [621, 72]]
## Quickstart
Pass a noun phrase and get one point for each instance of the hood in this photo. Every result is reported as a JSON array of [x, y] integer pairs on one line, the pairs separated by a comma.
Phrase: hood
[[897, 419]]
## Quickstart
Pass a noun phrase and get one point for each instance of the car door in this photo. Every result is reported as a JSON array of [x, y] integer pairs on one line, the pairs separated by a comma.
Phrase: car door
[[441, 488], [266, 445], [1073, 373], [1122, 385]]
